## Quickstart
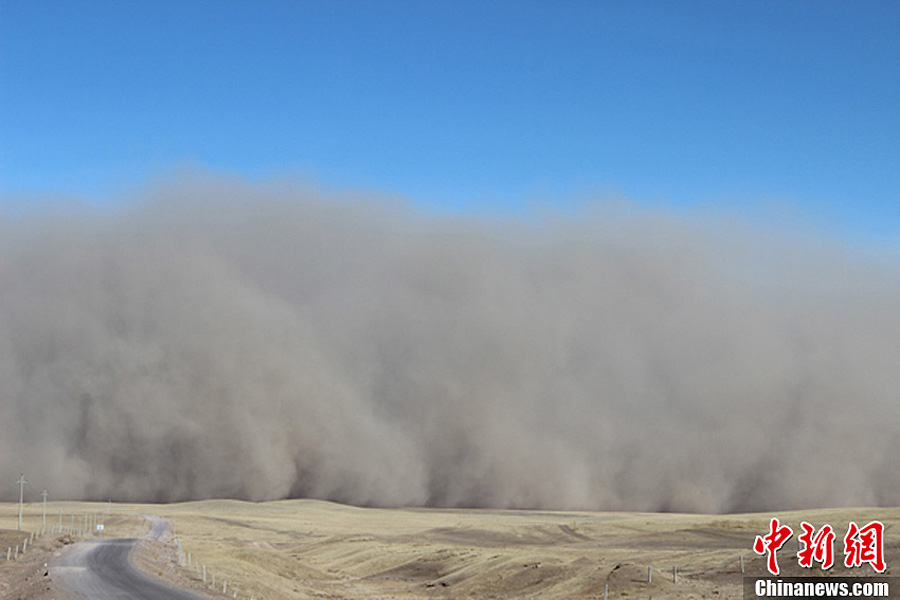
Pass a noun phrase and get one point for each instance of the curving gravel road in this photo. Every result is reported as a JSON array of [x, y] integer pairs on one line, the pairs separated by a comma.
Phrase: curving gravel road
[[100, 570]]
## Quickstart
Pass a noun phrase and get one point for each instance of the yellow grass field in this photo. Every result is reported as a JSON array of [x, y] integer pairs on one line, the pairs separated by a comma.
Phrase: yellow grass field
[[313, 549]]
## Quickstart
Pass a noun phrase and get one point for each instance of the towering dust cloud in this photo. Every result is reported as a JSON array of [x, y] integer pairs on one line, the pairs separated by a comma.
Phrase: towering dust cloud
[[221, 339]]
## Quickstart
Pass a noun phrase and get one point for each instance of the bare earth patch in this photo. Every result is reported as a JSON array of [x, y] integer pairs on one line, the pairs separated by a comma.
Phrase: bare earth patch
[[28, 576]]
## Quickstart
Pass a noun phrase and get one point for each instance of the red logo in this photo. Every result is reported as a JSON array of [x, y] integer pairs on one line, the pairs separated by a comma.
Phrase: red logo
[[778, 535], [865, 545], [819, 548], [861, 545]]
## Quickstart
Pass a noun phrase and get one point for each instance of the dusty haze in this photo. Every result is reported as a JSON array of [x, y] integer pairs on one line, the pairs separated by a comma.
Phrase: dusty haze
[[261, 341]]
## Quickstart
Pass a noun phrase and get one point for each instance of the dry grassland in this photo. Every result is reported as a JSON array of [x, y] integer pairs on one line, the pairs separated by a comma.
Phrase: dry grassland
[[313, 549]]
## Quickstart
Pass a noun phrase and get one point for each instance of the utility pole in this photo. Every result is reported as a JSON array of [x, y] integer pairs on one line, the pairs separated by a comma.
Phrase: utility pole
[[44, 514], [21, 483]]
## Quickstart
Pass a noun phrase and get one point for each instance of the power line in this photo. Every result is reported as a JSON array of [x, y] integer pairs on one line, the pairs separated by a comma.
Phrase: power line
[[44, 514], [21, 483]]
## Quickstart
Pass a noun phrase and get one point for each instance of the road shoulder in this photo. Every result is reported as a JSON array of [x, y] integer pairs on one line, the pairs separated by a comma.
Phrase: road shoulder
[[158, 560], [28, 577]]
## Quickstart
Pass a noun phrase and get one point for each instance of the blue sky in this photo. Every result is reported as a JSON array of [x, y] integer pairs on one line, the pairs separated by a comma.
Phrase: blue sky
[[465, 106]]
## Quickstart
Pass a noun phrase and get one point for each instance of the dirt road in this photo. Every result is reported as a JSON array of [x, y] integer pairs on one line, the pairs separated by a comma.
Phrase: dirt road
[[101, 570]]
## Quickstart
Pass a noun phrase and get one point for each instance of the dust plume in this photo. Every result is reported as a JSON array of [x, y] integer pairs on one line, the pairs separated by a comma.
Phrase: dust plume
[[218, 338]]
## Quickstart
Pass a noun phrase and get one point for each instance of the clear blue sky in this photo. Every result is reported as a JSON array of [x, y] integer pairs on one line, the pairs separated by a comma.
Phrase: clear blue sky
[[465, 105]]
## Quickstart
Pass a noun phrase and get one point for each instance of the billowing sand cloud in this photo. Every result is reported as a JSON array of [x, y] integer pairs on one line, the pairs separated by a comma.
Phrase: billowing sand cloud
[[222, 339]]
